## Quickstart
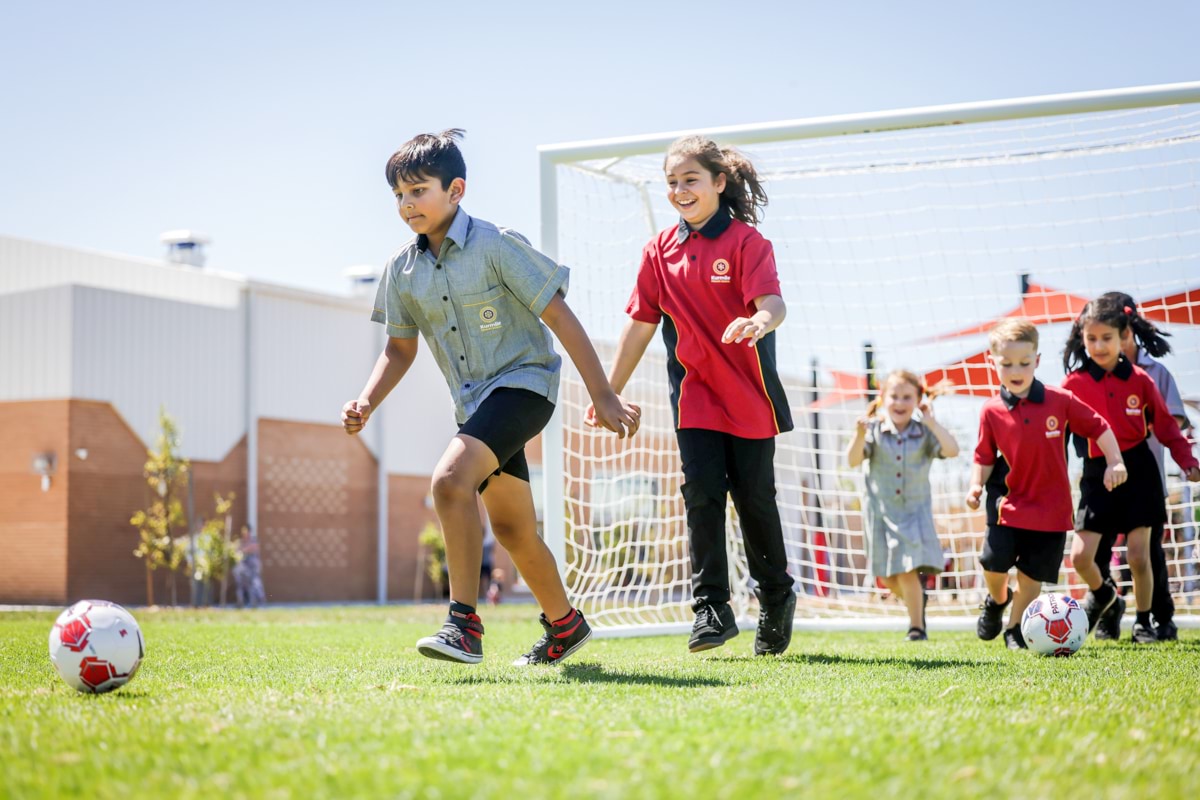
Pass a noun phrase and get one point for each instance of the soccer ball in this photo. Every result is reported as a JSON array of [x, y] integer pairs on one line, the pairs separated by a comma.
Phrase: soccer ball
[[1054, 625], [96, 646]]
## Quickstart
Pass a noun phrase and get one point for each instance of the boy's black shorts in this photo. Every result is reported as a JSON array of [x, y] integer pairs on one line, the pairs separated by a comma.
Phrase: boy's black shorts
[[505, 421], [1039, 554]]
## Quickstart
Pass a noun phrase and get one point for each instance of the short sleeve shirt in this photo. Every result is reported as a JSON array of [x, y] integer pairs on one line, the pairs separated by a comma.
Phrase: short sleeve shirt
[[897, 479], [478, 306], [696, 283], [1028, 433], [1169, 390]]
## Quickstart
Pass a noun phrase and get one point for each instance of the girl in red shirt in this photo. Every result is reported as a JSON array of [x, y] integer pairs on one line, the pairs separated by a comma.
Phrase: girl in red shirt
[[711, 282], [1100, 375]]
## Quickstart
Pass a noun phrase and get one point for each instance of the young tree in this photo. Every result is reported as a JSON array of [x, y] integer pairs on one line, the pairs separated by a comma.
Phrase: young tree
[[217, 553], [164, 471]]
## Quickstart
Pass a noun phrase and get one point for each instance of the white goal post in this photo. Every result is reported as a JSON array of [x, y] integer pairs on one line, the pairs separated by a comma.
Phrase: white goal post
[[900, 236]]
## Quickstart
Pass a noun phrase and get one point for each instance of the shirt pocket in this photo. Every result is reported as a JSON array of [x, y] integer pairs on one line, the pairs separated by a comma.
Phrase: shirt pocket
[[486, 317]]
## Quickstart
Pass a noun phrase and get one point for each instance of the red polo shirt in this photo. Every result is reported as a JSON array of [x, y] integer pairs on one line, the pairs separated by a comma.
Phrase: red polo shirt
[[700, 281], [1028, 432], [1131, 403]]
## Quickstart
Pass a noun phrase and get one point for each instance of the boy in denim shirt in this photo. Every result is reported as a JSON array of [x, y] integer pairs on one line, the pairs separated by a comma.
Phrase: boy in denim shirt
[[479, 296]]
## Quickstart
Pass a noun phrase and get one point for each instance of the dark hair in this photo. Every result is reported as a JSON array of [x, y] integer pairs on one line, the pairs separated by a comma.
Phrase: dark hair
[[427, 156], [1117, 310], [743, 194]]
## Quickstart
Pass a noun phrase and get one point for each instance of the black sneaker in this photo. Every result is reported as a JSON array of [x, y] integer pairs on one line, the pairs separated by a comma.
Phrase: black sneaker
[[1109, 626], [774, 632], [1014, 639], [1096, 603], [1143, 634], [560, 639], [916, 635], [1167, 632], [991, 617], [714, 627], [460, 639]]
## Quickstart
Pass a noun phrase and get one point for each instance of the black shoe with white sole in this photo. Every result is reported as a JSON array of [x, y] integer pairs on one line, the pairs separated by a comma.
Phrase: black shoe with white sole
[[560, 639], [460, 639]]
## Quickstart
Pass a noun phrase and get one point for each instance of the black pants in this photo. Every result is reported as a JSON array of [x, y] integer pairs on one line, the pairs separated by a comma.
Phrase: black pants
[[1161, 605], [716, 465]]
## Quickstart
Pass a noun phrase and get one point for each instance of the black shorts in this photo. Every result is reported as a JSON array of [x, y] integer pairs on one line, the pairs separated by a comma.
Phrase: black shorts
[[505, 421], [1039, 554], [1137, 503]]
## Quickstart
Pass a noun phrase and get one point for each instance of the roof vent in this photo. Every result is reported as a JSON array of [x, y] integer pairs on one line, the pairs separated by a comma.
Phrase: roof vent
[[185, 247]]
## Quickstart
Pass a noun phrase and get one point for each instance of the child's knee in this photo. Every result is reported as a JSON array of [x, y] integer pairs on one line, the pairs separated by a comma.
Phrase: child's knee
[[452, 488]]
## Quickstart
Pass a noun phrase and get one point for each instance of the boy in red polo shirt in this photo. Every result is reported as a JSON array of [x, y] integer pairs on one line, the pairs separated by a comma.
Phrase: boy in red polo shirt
[[711, 279], [1025, 425]]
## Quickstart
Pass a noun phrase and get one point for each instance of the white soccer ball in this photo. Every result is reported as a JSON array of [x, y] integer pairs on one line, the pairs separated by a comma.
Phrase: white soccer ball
[[96, 646], [1054, 625]]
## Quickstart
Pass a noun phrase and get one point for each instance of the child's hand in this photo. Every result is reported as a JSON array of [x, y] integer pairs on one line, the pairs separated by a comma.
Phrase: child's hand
[[926, 408], [613, 413], [744, 328], [862, 423], [354, 415], [1193, 474], [973, 495], [1115, 475]]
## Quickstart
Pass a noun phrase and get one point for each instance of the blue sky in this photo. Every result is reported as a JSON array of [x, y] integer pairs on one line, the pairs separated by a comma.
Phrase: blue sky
[[267, 125]]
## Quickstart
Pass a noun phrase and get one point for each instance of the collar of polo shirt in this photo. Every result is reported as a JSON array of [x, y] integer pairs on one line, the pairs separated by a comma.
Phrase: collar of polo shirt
[[457, 233], [1122, 370], [715, 226], [1037, 394]]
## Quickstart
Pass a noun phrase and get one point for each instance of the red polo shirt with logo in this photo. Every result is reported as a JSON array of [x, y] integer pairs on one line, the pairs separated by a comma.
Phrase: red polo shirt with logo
[[1131, 403], [696, 283], [1028, 432]]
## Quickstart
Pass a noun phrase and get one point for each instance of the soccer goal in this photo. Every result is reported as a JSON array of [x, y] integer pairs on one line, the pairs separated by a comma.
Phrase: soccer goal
[[900, 237]]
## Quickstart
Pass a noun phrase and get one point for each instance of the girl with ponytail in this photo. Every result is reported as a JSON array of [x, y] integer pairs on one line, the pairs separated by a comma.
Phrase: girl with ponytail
[[711, 281], [1101, 375]]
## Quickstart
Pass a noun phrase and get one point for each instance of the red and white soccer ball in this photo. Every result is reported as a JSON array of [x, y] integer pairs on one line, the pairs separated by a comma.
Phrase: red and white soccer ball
[[96, 646], [1054, 625]]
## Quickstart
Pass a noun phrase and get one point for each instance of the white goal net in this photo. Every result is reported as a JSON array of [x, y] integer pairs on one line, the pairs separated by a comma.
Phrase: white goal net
[[900, 238]]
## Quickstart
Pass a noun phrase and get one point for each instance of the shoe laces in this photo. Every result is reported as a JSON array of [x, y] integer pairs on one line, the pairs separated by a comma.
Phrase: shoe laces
[[707, 615]]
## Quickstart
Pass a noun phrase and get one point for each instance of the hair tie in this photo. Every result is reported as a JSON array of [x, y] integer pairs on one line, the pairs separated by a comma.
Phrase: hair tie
[[1128, 311]]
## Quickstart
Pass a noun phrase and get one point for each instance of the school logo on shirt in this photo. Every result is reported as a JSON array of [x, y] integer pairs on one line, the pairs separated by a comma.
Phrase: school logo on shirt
[[1052, 431], [489, 318], [720, 270], [1133, 403]]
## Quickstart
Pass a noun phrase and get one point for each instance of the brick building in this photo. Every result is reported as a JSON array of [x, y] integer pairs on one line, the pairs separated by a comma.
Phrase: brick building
[[255, 374]]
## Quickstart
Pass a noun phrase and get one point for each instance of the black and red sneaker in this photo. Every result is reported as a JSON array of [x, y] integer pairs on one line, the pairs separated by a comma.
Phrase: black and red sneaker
[[560, 639], [460, 639]]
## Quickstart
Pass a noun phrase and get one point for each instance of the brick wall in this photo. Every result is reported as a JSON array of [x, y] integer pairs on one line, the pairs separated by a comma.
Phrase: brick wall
[[33, 523], [317, 513]]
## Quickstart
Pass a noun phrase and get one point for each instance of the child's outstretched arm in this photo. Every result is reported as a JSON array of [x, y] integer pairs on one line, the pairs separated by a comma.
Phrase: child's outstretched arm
[[611, 411], [390, 367], [631, 346], [770, 314]]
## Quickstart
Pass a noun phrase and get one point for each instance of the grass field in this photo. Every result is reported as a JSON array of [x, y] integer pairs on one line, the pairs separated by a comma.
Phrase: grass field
[[335, 702]]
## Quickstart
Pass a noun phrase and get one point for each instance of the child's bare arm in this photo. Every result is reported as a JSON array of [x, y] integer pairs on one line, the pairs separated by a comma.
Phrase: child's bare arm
[[1114, 473], [770, 314], [390, 367], [856, 452], [612, 412], [979, 476], [635, 338]]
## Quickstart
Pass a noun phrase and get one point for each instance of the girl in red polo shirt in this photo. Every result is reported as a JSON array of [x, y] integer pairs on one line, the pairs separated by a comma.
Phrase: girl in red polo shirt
[[1100, 375], [711, 281]]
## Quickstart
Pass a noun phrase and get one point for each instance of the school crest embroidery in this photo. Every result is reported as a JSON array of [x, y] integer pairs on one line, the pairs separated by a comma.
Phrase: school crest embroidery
[[1052, 431], [489, 319], [720, 270], [1133, 405]]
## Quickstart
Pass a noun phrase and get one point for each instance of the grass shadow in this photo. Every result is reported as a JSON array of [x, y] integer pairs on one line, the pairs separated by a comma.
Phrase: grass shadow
[[580, 672], [825, 659], [597, 673]]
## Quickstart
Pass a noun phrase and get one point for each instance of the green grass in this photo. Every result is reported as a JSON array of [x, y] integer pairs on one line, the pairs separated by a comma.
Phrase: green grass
[[336, 703]]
